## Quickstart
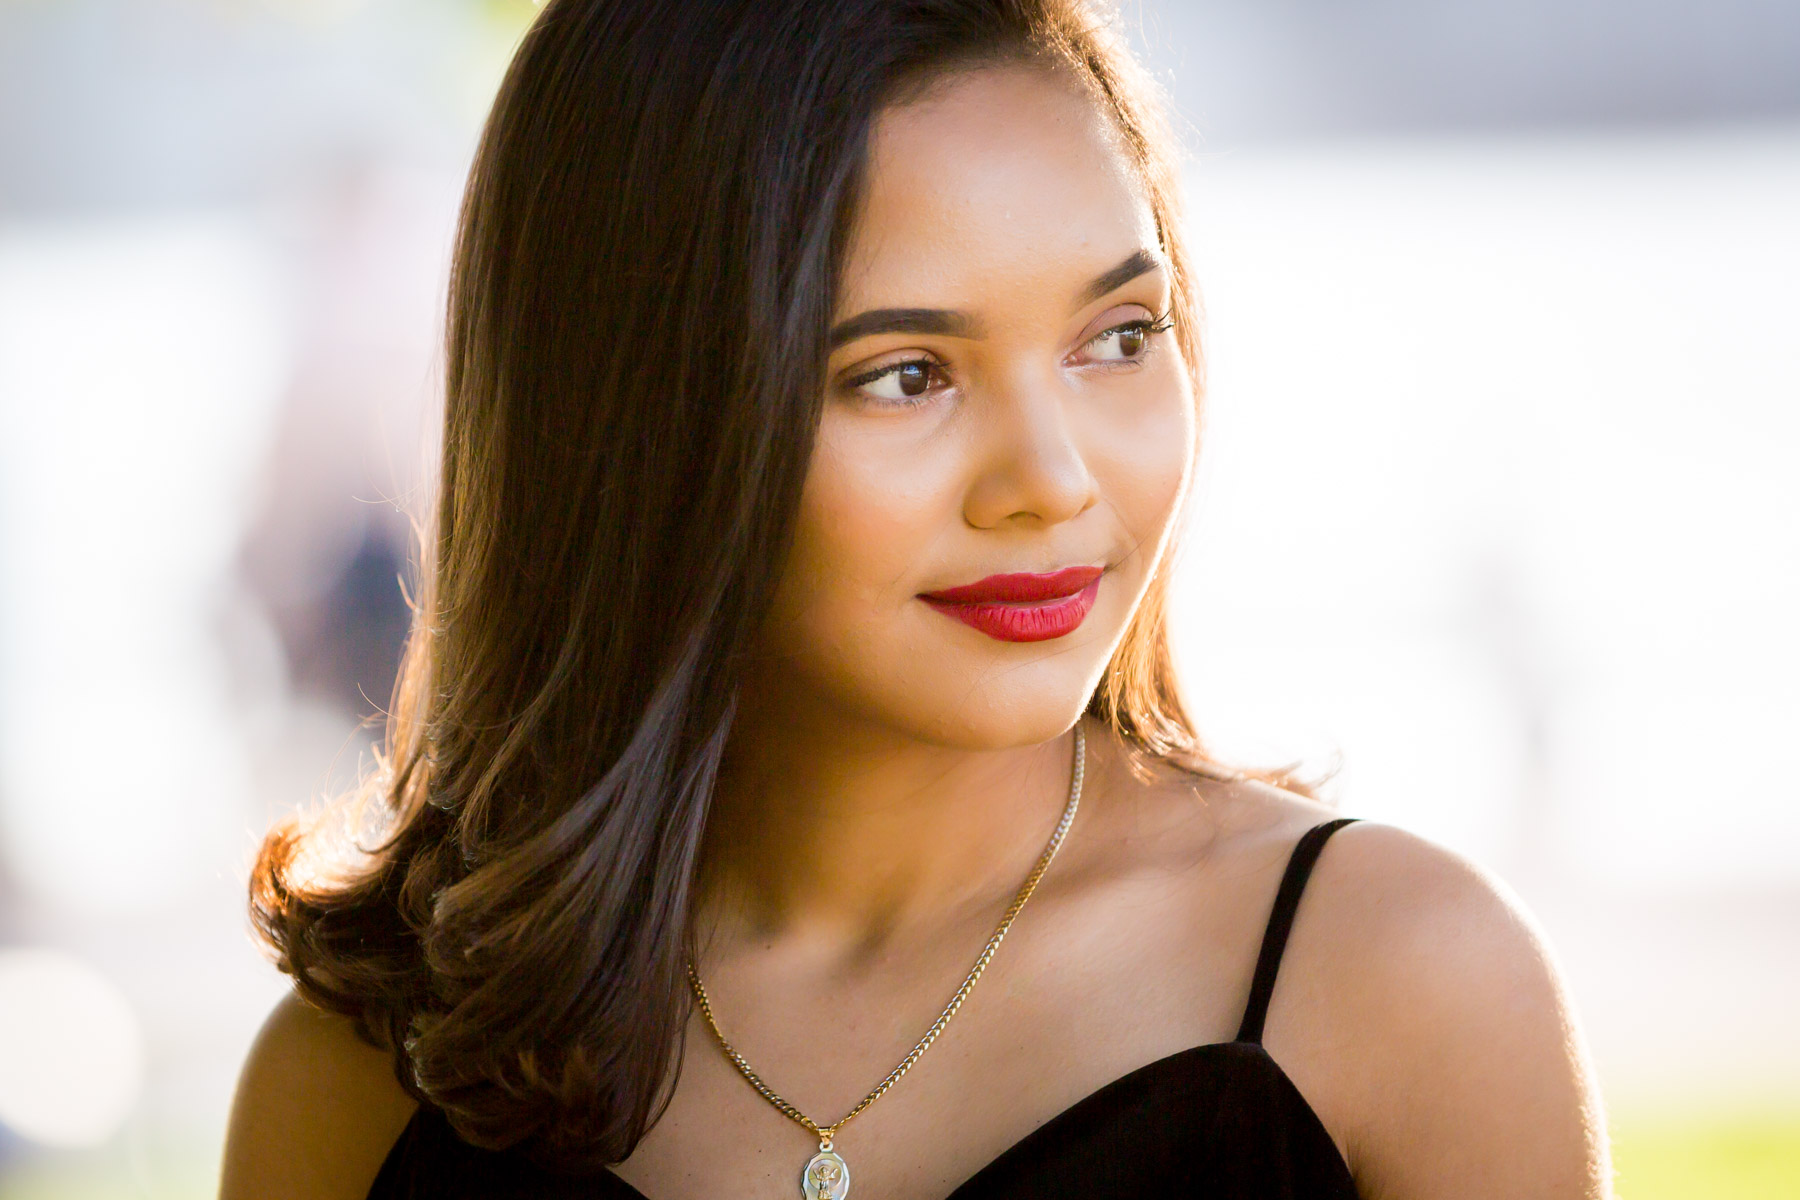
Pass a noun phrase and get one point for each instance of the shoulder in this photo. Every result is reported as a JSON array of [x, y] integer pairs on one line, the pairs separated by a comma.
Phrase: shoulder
[[315, 1112], [1421, 1005]]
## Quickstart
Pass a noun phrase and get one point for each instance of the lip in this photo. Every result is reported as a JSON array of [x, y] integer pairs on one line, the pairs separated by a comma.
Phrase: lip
[[1022, 607]]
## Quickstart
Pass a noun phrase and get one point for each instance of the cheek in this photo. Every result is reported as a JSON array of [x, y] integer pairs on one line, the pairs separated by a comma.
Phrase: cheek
[[1141, 455], [875, 504]]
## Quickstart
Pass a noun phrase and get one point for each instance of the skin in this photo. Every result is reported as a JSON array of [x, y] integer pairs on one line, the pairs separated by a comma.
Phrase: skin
[[895, 773]]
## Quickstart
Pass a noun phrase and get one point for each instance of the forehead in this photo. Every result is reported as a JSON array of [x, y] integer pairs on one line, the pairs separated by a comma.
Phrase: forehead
[[996, 177]]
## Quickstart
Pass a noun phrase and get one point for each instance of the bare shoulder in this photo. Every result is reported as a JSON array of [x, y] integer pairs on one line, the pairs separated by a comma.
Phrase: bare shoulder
[[1421, 1010], [315, 1112], [1176, 816]]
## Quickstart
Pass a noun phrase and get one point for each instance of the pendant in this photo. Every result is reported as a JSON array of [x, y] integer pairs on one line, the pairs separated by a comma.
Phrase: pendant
[[827, 1177]]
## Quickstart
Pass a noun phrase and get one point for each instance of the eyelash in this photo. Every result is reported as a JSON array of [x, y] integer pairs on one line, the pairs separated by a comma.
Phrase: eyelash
[[1150, 325]]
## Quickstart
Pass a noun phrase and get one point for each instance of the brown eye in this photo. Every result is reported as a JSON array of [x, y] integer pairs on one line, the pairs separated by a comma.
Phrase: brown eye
[[900, 383], [1127, 343]]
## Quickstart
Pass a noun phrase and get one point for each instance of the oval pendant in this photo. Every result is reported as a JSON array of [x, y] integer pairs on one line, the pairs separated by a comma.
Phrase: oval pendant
[[827, 1177]]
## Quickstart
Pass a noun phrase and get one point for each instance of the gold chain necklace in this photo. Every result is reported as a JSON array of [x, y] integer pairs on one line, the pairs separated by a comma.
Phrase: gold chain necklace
[[826, 1175]]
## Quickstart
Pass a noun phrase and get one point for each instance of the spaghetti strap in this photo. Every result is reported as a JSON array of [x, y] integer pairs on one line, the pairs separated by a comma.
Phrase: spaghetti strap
[[1281, 919]]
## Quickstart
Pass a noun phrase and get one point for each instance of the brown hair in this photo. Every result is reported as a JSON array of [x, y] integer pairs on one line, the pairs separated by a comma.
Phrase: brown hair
[[638, 314]]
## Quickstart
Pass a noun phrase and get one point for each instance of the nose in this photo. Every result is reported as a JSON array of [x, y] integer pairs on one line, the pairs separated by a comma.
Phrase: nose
[[1030, 471]]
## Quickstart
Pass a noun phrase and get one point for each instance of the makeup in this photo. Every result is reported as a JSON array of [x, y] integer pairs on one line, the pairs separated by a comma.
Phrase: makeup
[[1022, 607]]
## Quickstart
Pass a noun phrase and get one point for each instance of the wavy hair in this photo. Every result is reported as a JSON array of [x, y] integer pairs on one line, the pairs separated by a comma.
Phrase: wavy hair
[[637, 319]]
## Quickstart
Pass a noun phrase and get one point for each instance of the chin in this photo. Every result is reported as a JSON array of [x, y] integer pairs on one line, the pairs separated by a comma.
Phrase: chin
[[1004, 730], [995, 706]]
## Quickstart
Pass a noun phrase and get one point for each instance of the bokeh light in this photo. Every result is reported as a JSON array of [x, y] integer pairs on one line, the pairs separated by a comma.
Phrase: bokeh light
[[71, 1051]]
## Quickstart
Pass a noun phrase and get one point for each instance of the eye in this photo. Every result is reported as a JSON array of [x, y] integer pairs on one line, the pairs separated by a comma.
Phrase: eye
[[897, 383], [1125, 342]]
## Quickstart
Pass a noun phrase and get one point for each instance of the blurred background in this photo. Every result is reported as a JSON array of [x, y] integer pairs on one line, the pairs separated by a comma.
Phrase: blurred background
[[1500, 509]]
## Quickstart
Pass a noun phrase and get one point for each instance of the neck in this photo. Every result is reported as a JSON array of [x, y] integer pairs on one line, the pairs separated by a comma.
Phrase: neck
[[833, 829]]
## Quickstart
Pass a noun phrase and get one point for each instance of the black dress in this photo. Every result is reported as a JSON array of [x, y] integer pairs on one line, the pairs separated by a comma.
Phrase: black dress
[[1220, 1121]]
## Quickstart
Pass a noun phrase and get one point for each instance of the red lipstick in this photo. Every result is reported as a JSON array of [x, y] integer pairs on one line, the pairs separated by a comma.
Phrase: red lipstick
[[1022, 607]]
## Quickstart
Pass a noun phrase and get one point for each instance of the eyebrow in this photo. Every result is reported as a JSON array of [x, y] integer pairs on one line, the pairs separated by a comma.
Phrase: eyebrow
[[950, 323], [1139, 262], [901, 320]]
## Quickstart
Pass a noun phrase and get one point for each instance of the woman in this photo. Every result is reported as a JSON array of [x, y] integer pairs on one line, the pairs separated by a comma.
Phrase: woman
[[822, 397]]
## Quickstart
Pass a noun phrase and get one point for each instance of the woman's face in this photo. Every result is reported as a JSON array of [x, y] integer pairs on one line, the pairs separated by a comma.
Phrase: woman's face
[[1004, 399]]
